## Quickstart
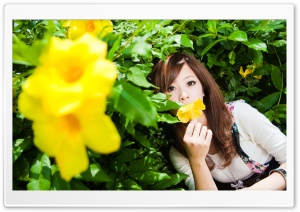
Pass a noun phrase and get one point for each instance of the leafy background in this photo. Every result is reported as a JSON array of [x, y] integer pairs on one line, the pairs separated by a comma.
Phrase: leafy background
[[141, 116]]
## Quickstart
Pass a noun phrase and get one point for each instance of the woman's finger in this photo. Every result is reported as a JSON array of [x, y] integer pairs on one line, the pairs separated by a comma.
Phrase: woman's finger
[[203, 133], [208, 136], [197, 129], [190, 128]]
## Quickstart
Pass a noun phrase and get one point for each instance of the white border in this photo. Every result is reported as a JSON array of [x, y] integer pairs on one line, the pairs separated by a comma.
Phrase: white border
[[146, 198]]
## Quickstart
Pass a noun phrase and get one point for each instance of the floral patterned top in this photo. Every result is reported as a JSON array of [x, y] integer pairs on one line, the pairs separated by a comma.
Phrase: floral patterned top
[[253, 165]]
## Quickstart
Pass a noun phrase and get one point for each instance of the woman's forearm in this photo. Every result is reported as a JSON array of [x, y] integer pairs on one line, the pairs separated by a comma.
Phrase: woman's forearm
[[274, 181], [202, 176]]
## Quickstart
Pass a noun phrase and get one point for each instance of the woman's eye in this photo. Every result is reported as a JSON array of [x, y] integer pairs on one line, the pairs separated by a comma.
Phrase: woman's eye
[[190, 83], [171, 88]]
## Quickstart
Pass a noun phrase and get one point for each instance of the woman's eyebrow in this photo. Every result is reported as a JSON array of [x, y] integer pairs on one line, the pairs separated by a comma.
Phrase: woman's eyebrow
[[189, 77]]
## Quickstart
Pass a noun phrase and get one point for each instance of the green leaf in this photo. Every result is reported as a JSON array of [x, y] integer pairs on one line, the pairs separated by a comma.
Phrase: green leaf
[[19, 146], [238, 36], [185, 41], [118, 166], [132, 185], [256, 104], [149, 177], [144, 164], [212, 26], [21, 169], [276, 78], [256, 44], [226, 25], [78, 185], [207, 35], [40, 173], [240, 88], [57, 182], [142, 139], [231, 57], [264, 70], [128, 155], [159, 96], [268, 101], [94, 173], [256, 56], [166, 105], [168, 118], [141, 47], [175, 179], [27, 55], [251, 90], [132, 103], [114, 48], [208, 47], [279, 43], [137, 76], [280, 108]]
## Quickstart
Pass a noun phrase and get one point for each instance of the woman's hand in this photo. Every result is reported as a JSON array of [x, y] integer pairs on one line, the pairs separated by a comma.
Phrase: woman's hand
[[197, 141]]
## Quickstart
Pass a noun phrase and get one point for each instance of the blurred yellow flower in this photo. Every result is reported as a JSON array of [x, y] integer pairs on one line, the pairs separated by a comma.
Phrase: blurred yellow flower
[[258, 77], [190, 111], [248, 71], [70, 72], [65, 97], [77, 28], [244, 74]]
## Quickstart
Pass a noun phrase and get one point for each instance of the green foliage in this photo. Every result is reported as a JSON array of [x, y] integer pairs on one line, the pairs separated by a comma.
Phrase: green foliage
[[140, 115]]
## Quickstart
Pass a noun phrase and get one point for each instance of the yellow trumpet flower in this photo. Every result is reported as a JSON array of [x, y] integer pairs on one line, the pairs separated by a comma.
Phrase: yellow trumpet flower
[[190, 111], [65, 97], [77, 28], [248, 71]]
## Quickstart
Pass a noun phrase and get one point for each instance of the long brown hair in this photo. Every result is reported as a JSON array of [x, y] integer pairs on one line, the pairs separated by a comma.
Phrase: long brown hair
[[218, 117]]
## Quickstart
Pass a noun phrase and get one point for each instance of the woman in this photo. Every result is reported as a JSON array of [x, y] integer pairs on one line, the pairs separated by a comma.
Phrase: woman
[[232, 145]]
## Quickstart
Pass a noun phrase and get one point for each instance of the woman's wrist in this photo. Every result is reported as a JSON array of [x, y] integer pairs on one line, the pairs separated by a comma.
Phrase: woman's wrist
[[197, 162]]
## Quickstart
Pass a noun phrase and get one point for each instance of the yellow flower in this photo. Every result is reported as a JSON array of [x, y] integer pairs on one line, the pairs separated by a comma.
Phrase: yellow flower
[[258, 77], [77, 28], [66, 137], [248, 71], [190, 111], [65, 97], [70, 72], [244, 74]]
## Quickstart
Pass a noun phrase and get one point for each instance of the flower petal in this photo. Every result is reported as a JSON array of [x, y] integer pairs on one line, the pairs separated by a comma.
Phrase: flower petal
[[35, 84], [61, 99], [95, 46], [48, 136], [100, 134], [93, 105], [99, 78], [31, 107], [72, 157], [258, 77]]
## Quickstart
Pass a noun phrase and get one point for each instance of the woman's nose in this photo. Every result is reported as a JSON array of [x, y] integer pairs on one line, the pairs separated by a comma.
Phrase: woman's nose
[[183, 96]]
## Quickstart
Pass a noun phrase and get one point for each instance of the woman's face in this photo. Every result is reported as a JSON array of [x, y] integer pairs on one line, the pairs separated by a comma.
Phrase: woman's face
[[186, 88]]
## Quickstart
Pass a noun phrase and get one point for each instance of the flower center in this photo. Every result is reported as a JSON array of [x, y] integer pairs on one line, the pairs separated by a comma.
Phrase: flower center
[[90, 26], [73, 74], [71, 124]]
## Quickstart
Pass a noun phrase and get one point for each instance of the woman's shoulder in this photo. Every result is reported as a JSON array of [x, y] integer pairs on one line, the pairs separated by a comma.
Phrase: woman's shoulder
[[232, 104], [240, 110], [240, 107]]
